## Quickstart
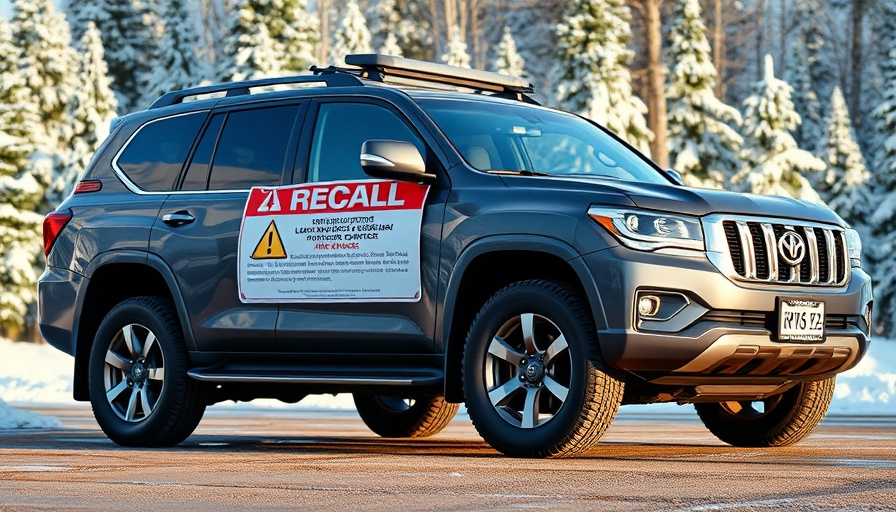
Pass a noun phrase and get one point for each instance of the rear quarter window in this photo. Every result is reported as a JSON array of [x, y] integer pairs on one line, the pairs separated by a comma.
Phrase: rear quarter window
[[154, 157]]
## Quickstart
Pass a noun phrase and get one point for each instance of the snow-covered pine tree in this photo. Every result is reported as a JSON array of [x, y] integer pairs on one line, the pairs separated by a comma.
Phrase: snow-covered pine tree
[[843, 186], [881, 251], [593, 68], [48, 64], [291, 25], [178, 65], [390, 46], [20, 192], [813, 22], [91, 112], [249, 51], [129, 30], [805, 101], [509, 61], [456, 53], [352, 36], [703, 146], [773, 162]]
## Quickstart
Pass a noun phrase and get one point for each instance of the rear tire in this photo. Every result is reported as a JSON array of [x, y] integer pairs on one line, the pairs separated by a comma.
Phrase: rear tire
[[534, 380], [139, 388], [780, 420], [393, 416]]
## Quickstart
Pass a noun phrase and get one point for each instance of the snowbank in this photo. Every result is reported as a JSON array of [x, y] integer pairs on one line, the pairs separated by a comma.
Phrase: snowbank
[[31, 373], [11, 417]]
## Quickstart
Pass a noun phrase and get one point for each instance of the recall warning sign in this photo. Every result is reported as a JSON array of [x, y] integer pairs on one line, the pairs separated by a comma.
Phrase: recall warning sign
[[332, 242]]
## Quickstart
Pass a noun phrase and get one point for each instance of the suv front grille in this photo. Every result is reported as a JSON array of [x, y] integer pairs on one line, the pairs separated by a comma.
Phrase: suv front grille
[[775, 251]]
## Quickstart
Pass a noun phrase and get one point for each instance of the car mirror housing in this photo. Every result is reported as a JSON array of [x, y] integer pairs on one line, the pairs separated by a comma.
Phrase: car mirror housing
[[392, 159]]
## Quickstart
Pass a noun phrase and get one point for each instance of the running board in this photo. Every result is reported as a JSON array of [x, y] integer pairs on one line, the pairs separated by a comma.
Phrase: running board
[[375, 380]]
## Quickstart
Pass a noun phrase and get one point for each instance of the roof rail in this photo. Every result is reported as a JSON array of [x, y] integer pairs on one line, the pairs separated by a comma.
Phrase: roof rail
[[242, 88], [378, 67]]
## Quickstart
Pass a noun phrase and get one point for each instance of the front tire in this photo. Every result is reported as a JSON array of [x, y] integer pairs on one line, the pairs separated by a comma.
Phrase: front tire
[[534, 380], [139, 388], [393, 416], [780, 420]]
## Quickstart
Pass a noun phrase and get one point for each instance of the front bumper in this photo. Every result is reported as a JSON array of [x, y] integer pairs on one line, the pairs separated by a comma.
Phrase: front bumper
[[724, 333]]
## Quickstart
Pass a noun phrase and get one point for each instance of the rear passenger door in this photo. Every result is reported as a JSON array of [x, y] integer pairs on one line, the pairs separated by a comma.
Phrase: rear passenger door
[[334, 132], [197, 229]]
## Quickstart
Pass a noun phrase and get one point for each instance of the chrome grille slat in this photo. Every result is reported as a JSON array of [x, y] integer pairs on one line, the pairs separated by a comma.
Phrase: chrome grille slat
[[748, 249]]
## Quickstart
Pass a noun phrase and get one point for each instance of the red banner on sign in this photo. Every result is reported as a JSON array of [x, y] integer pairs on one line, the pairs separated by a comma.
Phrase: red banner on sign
[[342, 197]]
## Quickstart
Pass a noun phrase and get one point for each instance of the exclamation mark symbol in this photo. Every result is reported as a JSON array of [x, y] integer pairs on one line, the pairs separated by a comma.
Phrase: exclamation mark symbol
[[270, 240]]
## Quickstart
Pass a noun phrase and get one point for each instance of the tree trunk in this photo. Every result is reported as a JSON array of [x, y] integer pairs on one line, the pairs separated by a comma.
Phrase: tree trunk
[[718, 50], [760, 40], [656, 93], [856, 62]]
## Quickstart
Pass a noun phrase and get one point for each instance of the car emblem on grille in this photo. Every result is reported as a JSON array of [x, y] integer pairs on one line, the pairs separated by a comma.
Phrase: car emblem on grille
[[791, 248]]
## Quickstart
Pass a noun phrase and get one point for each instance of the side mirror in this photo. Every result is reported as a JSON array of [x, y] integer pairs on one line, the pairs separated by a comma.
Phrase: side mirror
[[395, 160], [675, 176]]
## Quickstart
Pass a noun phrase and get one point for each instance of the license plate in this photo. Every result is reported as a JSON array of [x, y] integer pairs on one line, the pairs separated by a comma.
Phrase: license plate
[[800, 320]]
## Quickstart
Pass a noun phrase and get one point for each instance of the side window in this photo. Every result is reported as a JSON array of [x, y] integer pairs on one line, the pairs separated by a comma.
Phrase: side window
[[154, 157], [252, 148], [340, 131], [197, 173]]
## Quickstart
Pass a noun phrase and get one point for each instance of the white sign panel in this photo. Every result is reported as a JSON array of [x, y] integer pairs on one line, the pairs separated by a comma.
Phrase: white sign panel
[[355, 241]]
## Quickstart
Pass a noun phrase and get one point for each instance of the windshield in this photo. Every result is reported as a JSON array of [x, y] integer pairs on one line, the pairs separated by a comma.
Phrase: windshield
[[509, 137]]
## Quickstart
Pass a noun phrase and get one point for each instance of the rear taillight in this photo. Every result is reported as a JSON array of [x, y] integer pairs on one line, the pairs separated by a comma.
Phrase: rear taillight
[[86, 186], [54, 222]]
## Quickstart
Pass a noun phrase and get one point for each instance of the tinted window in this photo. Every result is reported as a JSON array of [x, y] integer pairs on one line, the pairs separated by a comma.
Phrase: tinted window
[[493, 135], [341, 130], [153, 159], [252, 148], [197, 172]]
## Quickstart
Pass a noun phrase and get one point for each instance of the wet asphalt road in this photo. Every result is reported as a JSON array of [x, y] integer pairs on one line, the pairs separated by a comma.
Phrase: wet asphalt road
[[252, 459]]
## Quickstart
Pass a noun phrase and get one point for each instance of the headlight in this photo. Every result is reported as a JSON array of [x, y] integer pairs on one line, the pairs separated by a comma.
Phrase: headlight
[[854, 247], [649, 231]]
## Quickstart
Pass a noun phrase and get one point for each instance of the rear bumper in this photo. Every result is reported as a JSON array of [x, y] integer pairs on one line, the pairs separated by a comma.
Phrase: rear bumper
[[57, 295], [725, 331]]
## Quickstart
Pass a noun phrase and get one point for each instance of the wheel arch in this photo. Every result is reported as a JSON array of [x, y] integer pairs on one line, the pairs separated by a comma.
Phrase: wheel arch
[[145, 274], [488, 265]]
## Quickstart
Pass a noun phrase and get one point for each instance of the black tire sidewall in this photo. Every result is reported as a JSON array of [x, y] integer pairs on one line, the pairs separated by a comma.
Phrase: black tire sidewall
[[497, 431], [173, 387]]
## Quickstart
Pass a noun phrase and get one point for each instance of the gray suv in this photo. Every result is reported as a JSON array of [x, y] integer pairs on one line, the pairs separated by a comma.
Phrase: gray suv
[[421, 236]]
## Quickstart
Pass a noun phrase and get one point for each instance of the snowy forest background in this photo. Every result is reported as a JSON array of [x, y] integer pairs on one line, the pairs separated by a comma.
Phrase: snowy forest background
[[787, 97]]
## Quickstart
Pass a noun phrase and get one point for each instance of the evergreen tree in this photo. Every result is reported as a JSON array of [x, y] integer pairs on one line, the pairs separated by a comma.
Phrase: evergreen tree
[[249, 50], [811, 31], [773, 163], [702, 144], [91, 112], [456, 54], [883, 221], [352, 35], [128, 29], [20, 192], [178, 65], [390, 46], [843, 186], [805, 101], [48, 65], [594, 77], [509, 61]]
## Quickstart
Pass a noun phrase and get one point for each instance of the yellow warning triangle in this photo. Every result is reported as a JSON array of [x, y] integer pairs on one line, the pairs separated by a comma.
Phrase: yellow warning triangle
[[270, 247]]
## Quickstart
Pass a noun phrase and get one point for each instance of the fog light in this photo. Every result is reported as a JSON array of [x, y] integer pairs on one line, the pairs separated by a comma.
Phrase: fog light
[[648, 305]]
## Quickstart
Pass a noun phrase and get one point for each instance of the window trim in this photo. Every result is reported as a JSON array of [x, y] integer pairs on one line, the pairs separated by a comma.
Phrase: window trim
[[130, 185]]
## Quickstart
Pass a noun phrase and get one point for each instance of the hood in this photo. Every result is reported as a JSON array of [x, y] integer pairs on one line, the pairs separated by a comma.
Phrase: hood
[[689, 200]]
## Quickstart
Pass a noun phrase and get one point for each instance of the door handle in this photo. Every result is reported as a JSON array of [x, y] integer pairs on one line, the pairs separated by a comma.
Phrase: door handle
[[177, 218]]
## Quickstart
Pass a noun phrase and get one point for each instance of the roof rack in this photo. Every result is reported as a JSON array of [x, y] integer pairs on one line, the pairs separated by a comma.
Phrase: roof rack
[[379, 67], [242, 88]]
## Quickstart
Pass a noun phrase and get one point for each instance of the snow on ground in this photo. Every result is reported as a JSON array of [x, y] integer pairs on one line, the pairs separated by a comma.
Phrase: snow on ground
[[40, 374]]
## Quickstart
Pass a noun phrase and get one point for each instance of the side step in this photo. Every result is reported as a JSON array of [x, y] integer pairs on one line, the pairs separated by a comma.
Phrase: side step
[[409, 380]]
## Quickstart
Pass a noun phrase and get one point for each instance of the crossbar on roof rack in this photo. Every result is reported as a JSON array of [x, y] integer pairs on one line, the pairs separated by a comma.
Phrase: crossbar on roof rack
[[243, 87], [401, 67]]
